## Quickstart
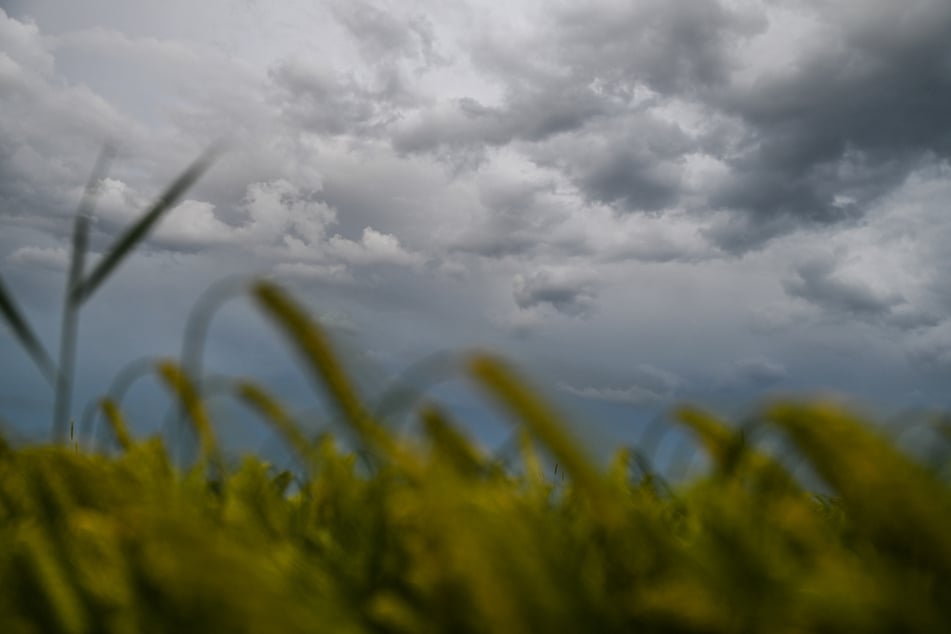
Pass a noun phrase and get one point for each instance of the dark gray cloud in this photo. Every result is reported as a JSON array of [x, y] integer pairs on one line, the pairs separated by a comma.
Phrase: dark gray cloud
[[633, 163], [860, 110], [811, 142], [818, 283], [531, 116], [758, 372], [739, 233], [587, 89], [565, 292], [930, 353], [635, 181], [519, 218], [586, 65], [628, 176], [671, 47]]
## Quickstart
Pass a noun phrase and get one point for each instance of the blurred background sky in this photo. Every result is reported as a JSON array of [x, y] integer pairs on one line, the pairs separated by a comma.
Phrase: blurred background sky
[[641, 203]]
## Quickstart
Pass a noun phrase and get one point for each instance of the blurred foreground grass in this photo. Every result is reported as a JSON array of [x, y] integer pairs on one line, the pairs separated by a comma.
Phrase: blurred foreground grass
[[435, 536]]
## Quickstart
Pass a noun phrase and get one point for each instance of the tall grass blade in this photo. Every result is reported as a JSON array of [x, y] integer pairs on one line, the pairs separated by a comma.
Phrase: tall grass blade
[[45, 577], [631, 466], [542, 421], [196, 333], [110, 410], [25, 336], [731, 452], [138, 231], [530, 462], [448, 445], [409, 387], [70, 318], [182, 387], [895, 501], [312, 345], [83, 217], [272, 411], [121, 383]]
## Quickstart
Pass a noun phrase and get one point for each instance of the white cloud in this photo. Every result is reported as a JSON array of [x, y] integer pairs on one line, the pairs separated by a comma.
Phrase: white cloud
[[373, 248], [22, 47], [54, 258], [276, 209], [650, 385], [311, 272]]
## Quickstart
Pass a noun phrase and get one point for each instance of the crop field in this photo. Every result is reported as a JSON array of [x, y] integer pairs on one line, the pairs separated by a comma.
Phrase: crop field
[[387, 532]]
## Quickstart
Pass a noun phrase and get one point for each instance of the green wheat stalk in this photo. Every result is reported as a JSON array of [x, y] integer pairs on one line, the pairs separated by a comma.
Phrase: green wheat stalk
[[79, 288]]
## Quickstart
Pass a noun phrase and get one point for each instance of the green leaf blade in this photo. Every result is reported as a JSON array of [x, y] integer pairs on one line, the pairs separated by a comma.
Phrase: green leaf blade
[[25, 335], [140, 230]]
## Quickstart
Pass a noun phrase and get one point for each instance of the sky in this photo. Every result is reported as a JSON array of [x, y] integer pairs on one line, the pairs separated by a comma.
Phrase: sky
[[640, 203]]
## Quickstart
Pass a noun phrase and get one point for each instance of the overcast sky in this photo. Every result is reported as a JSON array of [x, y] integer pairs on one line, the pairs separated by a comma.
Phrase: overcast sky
[[640, 202]]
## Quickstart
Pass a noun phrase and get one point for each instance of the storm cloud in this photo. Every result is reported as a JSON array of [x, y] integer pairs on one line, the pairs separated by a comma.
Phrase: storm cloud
[[817, 282], [747, 194], [567, 294]]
